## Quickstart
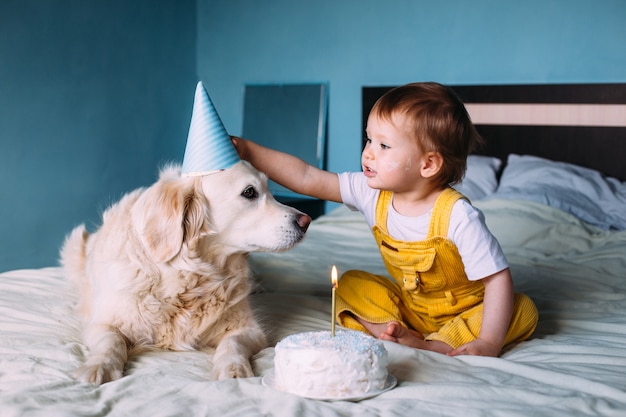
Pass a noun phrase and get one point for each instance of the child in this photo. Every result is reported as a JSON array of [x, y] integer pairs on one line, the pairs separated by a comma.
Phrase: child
[[452, 290]]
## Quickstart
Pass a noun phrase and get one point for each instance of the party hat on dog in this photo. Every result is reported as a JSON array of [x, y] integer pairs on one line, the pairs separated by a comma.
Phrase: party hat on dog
[[209, 148]]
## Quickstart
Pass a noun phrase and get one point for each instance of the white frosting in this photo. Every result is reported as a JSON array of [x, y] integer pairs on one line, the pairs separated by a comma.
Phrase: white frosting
[[316, 365]]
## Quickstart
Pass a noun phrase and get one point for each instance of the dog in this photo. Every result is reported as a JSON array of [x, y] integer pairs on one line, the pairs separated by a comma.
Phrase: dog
[[167, 269]]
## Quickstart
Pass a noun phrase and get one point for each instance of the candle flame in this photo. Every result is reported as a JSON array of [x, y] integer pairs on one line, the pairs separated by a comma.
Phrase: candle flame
[[333, 276]]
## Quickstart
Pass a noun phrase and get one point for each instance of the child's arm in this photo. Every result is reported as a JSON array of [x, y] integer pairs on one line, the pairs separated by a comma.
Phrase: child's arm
[[290, 171], [497, 312]]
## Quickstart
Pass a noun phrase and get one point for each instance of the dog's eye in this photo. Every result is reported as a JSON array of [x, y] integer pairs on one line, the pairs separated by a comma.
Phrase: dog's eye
[[250, 193]]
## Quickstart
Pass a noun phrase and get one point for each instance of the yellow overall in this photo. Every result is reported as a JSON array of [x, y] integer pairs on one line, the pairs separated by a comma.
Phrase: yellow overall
[[431, 293]]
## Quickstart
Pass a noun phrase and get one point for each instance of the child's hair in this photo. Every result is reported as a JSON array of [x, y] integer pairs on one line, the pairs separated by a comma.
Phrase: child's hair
[[437, 119]]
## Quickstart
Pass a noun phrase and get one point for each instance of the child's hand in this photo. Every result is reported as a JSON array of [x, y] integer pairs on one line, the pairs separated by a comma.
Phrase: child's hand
[[240, 146], [478, 347]]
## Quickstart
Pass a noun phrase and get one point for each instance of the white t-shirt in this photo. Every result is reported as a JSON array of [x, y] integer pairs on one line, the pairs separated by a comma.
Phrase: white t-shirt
[[480, 251]]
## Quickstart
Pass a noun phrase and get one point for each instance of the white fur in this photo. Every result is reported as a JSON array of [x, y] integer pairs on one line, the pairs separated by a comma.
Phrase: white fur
[[167, 269]]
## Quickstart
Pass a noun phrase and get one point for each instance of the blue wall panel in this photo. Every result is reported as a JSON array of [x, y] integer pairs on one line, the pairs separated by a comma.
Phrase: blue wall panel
[[94, 96], [351, 43]]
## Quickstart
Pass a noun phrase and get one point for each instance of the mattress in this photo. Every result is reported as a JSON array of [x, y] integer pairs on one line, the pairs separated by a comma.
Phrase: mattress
[[573, 365]]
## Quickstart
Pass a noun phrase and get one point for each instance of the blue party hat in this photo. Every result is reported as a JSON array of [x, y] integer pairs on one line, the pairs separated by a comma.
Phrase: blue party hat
[[209, 148]]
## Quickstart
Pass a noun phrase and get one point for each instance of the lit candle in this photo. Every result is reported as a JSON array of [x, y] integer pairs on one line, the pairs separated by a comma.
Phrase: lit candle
[[333, 277]]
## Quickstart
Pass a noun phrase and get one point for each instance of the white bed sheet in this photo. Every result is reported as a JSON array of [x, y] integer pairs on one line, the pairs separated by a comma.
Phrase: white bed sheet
[[574, 365]]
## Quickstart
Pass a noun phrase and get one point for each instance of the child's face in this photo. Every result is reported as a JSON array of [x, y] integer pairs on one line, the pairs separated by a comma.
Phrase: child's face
[[391, 159]]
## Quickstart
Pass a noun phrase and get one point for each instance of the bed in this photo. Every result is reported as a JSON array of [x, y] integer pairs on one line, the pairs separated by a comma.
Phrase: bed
[[552, 189]]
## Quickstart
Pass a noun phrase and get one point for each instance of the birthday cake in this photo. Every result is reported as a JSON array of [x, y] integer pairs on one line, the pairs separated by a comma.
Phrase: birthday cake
[[316, 365]]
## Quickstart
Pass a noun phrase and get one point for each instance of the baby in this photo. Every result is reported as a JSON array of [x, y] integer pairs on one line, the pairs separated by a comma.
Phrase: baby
[[451, 289]]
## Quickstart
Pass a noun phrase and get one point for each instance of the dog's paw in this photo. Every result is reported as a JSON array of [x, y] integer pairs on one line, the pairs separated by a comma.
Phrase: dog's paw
[[98, 373], [233, 369]]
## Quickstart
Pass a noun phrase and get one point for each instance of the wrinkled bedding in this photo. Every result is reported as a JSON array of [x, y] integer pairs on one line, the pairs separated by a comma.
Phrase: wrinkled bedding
[[574, 365]]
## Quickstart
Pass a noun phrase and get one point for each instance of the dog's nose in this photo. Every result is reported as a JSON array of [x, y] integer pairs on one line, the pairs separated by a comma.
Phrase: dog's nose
[[304, 220]]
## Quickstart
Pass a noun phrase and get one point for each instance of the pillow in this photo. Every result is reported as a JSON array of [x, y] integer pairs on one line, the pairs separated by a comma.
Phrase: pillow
[[481, 177], [583, 192]]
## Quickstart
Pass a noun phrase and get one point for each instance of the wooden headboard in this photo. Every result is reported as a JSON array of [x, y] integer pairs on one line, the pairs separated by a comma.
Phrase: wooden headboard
[[584, 124]]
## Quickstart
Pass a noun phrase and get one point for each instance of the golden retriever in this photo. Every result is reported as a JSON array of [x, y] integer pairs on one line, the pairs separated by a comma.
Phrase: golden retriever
[[168, 269]]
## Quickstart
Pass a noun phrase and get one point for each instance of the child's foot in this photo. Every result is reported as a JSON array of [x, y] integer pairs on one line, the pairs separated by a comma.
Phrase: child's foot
[[395, 332]]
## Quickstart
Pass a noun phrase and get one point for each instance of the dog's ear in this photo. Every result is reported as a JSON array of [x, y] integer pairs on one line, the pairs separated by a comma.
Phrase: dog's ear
[[166, 215], [196, 222]]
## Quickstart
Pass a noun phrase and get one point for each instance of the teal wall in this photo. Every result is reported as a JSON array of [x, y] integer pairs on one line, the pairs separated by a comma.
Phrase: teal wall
[[351, 43], [94, 96]]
